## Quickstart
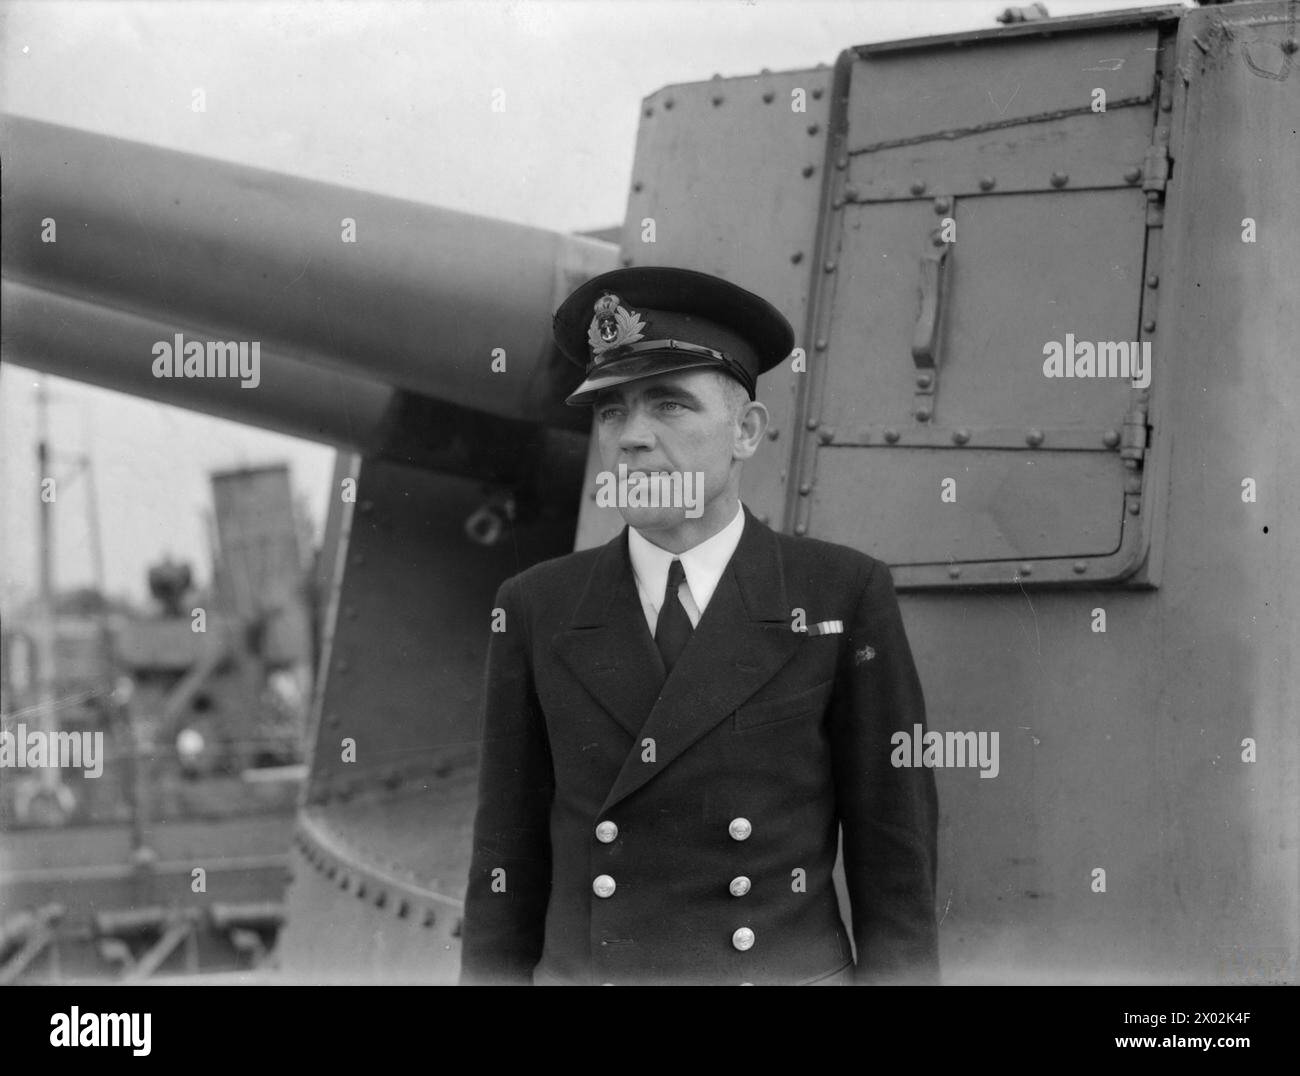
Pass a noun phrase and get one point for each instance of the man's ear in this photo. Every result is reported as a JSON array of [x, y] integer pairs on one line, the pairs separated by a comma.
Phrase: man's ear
[[752, 423]]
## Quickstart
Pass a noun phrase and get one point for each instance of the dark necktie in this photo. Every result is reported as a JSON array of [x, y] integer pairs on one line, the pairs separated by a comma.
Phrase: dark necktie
[[673, 628]]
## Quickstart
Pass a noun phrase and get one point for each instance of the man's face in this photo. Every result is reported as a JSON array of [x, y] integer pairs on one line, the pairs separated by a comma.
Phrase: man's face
[[674, 422]]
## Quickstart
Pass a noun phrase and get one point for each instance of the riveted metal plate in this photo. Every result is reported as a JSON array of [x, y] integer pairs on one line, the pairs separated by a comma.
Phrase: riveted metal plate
[[1010, 292], [406, 563], [1006, 506], [1091, 150], [950, 93]]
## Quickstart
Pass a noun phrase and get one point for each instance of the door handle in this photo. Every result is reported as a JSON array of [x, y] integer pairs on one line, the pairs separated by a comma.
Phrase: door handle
[[925, 337]]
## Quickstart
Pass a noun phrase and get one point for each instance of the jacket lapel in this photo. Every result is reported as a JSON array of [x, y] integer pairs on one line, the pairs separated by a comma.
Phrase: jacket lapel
[[740, 643], [608, 646]]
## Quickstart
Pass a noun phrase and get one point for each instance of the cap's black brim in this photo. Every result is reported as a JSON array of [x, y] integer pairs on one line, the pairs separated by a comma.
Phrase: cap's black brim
[[620, 371]]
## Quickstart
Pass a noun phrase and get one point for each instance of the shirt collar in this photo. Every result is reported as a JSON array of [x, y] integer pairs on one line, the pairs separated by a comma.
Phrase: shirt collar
[[703, 564]]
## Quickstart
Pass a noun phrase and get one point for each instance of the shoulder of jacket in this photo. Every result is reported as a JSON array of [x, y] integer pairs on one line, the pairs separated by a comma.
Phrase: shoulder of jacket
[[563, 572], [822, 558]]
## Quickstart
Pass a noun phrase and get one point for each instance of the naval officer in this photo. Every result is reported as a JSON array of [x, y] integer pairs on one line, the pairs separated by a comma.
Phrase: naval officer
[[679, 725]]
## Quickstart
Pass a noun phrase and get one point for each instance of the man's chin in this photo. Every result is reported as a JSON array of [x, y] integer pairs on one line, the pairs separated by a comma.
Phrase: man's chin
[[653, 519]]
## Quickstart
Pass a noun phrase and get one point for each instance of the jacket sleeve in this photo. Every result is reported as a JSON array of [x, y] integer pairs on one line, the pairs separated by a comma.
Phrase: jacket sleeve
[[888, 814], [510, 865]]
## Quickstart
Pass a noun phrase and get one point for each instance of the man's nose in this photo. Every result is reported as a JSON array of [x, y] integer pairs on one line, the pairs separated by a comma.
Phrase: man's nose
[[638, 431]]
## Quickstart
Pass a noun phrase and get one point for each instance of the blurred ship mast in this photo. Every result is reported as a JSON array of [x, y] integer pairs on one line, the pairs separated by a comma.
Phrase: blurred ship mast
[[46, 713], [44, 717]]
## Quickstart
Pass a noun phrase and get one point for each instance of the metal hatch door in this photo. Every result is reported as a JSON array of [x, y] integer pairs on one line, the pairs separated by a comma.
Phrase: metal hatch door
[[982, 212]]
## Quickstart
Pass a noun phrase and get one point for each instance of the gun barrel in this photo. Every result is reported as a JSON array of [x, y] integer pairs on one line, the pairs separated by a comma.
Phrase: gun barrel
[[112, 246]]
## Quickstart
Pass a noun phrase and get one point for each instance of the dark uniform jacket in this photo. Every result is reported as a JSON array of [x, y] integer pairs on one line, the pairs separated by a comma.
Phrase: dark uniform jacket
[[599, 775]]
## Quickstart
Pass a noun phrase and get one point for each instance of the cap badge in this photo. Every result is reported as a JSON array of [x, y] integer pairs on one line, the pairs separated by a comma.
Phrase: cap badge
[[613, 326]]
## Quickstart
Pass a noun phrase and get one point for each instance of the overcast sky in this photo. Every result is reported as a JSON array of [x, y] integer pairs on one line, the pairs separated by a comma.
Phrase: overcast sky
[[382, 96]]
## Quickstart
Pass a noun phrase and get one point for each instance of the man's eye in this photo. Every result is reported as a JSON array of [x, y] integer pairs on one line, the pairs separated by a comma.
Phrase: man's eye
[[671, 403], [608, 414]]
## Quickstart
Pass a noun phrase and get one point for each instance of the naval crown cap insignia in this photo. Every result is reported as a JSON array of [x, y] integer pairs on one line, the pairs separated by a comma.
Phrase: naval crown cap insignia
[[613, 326]]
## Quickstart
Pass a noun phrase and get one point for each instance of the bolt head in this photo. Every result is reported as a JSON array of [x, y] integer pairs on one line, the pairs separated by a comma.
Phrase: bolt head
[[987, 183], [917, 187], [1034, 437], [1060, 179]]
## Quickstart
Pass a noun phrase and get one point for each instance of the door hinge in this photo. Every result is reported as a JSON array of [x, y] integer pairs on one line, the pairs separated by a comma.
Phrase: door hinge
[[1155, 166], [1133, 441]]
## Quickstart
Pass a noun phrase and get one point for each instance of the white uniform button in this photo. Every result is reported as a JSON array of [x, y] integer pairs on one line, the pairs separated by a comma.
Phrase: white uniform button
[[743, 939], [606, 832], [603, 886], [739, 886], [740, 828]]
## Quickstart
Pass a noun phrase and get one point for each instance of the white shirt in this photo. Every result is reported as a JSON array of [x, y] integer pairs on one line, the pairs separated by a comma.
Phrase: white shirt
[[702, 564]]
